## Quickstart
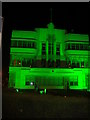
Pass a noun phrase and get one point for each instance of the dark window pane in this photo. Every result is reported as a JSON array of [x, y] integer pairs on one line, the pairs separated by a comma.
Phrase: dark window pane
[[24, 45], [52, 48], [43, 48], [73, 46], [78, 65], [81, 46], [13, 43], [20, 44], [33, 45], [71, 83], [58, 49], [85, 47], [49, 63], [82, 64], [76, 83], [27, 83], [73, 65], [77, 46], [29, 45], [68, 46], [49, 48]]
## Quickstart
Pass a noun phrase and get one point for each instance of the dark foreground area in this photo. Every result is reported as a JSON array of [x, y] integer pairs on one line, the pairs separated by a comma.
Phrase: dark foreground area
[[30, 104]]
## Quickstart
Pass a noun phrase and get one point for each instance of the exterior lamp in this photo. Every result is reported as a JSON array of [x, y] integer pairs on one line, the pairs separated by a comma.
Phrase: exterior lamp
[[31, 83], [17, 90]]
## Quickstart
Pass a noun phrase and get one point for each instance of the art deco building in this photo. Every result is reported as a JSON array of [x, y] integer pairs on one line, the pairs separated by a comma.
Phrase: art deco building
[[50, 58]]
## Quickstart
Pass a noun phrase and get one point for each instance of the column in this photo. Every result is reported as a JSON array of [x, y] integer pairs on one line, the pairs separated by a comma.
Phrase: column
[[47, 53], [54, 53], [21, 62]]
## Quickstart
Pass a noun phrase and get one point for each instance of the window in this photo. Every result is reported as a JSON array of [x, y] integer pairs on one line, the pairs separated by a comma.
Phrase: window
[[18, 63], [49, 48], [27, 83], [73, 46], [43, 62], [43, 48], [14, 43], [49, 63], [68, 64], [24, 63], [20, 44], [52, 48], [76, 83], [78, 65], [24, 44], [85, 47], [29, 45], [53, 63], [58, 49], [57, 63], [33, 63], [66, 46], [82, 64], [73, 65], [77, 46], [69, 46], [28, 63], [71, 83], [81, 46], [33, 45]]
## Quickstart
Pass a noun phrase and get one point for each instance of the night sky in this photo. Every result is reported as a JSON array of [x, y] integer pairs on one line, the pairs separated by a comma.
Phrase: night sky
[[27, 16]]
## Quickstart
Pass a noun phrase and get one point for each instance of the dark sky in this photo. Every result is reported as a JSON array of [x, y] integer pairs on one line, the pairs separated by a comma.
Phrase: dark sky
[[27, 16]]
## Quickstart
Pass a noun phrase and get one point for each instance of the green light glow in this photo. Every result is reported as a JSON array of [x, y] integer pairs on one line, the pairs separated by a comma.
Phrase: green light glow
[[41, 92], [50, 59], [45, 91]]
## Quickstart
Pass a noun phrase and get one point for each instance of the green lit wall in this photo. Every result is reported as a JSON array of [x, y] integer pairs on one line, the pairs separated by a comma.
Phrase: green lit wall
[[49, 58]]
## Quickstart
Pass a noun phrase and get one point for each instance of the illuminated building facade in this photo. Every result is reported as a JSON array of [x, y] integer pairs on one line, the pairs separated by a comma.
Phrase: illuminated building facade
[[49, 58]]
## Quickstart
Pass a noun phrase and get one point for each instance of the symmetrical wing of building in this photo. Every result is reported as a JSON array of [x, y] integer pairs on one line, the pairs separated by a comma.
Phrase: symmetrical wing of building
[[50, 58]]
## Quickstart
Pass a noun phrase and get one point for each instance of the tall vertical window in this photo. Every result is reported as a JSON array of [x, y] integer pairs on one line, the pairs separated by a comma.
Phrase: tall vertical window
[[29, 45], [85, 47], [49, 48], [73, 46], [69, 46], [14, 43], [66, 46], [52, 48], [20, 44], [82, 64], [33, 45], [58, 49], [73, 64], [78, 65], [43, 48], [24, 44], [81, 46], [77, 46]]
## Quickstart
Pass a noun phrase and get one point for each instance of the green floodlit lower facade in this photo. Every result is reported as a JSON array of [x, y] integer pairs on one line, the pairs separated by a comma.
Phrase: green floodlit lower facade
[[49, 58]]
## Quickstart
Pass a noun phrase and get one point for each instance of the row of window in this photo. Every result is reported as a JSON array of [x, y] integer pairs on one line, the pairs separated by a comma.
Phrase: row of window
[[49, 63], [72, 83], [76, 46], [50, 49], [75, 65], [23, 44]]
